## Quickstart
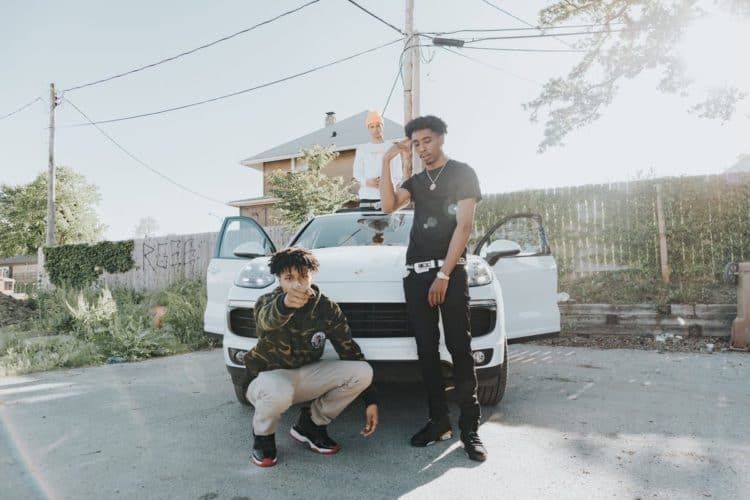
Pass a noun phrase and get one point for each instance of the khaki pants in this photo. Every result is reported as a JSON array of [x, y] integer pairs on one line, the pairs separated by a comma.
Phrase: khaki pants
[[331, 384]]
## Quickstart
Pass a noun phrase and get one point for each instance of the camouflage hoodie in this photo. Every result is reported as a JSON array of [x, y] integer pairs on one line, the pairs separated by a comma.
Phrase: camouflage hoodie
[[291, 338]]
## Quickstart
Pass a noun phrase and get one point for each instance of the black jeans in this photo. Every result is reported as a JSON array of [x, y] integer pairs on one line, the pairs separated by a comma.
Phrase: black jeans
[[423, 321]]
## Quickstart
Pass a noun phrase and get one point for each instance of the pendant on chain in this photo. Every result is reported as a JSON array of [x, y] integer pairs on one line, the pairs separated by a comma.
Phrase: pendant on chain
[[432, 187]]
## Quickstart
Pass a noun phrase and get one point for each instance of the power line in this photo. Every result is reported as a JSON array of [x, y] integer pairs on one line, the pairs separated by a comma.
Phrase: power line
[[534, 28], [399, 74], [376, 17], [138, 160], [545, 35], [20, 109], [508, 13], [516, 49], [191, 51], [497, 68], [239, 92]]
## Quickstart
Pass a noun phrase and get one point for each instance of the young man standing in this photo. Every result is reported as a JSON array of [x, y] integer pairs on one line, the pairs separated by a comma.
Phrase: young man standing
[[444, 194], [292, 324], [368, 161]]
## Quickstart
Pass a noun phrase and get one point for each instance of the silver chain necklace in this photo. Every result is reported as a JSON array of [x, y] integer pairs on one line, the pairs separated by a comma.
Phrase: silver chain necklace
[[433, 181]]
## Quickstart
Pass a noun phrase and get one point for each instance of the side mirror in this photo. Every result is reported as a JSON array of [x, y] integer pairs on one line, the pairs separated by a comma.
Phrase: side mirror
[[250, 250], [501, 248]]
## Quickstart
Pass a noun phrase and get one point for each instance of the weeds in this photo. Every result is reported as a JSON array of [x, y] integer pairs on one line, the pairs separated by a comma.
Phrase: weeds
[[70, 328]]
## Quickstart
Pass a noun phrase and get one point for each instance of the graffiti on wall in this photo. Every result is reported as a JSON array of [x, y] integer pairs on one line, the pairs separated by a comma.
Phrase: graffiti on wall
[[173, 253]]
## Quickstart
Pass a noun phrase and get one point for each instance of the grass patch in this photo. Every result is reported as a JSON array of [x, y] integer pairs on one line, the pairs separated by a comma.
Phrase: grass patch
[[68, 328]]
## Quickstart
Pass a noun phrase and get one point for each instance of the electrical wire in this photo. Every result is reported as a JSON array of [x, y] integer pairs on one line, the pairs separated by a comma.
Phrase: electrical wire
[[138, 160], [546, 35], [534, 28], [377, 17], [20, 109], [498, 68], [508, 13], [515, 49], [239, 92], [191, 51], [400, 74]]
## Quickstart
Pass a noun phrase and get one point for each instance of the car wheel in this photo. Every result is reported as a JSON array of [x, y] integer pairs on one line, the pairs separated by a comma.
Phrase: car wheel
[[240, 391], [491, 392]]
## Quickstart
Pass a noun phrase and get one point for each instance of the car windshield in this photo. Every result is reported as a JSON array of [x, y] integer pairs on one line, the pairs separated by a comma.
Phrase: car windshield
[[356, 229]]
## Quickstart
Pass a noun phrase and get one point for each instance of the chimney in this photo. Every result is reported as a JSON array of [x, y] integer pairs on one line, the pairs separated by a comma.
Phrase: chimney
[[330, 118]]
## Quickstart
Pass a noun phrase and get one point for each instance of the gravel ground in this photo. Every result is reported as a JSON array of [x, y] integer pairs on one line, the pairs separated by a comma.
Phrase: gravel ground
[[641, 342]]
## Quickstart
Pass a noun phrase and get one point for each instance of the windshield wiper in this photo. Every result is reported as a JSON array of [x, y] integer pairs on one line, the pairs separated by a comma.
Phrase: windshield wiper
[[350, 236]]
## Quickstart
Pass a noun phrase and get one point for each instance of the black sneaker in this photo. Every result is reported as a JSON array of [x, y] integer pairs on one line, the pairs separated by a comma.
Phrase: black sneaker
[[264, 451], [474, 447], [432, 432], [315, 436]]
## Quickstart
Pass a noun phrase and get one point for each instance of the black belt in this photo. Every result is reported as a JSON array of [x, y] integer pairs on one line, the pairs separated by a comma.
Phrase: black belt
[[423, 267]]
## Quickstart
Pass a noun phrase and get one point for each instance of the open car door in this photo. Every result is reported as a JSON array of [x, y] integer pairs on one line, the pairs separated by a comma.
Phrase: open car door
[[517, 249], [240, 240]]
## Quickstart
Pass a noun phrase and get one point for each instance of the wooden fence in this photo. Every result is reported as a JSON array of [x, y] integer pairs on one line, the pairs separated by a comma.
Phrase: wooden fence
[[164, 260], [608, 227]]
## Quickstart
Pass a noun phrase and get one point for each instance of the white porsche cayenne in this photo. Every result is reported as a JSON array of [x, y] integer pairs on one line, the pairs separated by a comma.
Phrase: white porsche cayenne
[[512, 287]]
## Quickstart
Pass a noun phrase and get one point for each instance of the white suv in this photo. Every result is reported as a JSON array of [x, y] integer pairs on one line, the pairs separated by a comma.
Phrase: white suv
[[512, 288]]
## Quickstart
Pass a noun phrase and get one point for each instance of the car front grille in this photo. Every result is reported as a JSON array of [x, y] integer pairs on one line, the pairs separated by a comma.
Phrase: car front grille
[[377, 320], [368, 320], [242, 322]]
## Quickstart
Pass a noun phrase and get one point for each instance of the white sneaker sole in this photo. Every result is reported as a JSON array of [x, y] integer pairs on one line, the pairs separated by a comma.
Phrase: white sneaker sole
[[304, 440]]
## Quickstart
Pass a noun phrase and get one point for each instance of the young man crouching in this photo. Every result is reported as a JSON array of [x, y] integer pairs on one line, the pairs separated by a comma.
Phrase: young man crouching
[[292, 323]]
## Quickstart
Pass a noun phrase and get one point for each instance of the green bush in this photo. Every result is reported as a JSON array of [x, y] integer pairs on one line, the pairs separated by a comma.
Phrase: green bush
[[186, 303], [78, 266]]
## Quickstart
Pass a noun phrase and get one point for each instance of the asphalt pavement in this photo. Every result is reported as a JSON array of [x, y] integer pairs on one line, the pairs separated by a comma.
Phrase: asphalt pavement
[[574, 423]]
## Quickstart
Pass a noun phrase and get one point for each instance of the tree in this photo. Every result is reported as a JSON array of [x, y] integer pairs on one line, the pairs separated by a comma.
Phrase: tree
[[146, 227], [631, 36], [23, 212], [309, 192]]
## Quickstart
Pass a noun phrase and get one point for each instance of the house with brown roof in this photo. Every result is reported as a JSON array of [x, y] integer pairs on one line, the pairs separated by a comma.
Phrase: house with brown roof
[[344, 136]]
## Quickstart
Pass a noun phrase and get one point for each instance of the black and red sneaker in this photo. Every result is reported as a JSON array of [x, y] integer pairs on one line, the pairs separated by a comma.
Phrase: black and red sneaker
[[305, 431], [264, 451]]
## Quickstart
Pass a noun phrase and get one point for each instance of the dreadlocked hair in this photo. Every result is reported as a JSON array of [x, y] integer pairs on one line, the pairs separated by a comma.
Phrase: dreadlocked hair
[[298, 258]]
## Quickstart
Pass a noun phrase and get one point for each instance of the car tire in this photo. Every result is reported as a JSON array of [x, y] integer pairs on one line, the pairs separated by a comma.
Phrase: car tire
[[491, 392], [240, 391]]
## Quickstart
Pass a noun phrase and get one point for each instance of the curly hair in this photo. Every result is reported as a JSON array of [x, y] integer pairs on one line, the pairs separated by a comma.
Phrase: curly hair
[[422, 122], [297, 258]]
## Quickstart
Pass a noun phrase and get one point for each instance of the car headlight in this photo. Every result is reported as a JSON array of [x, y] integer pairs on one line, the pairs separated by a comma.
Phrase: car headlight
[[480, 273], [255, 276]]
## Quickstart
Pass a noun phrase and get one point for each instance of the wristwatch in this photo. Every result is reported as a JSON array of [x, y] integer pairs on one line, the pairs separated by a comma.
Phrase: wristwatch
[[441, 275]]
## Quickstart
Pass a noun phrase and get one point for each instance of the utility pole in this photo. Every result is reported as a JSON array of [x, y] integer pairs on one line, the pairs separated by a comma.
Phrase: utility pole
[[412, 165], [50, 242]]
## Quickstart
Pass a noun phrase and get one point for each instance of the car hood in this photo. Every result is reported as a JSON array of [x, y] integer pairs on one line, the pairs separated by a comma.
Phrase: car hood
[[360, 264]]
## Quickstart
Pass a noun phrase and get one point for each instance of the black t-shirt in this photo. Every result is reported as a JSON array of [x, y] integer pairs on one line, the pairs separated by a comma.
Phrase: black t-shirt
[[435, 211]]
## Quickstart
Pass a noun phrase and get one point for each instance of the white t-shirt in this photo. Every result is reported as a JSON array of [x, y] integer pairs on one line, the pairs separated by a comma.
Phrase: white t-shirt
[[368, 163]]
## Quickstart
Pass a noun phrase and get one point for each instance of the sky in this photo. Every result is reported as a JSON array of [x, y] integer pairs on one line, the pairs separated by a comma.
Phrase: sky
[[79, 41]]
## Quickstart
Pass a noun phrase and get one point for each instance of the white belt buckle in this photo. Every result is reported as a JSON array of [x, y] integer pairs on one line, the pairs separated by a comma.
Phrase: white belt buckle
[[422, 267]]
